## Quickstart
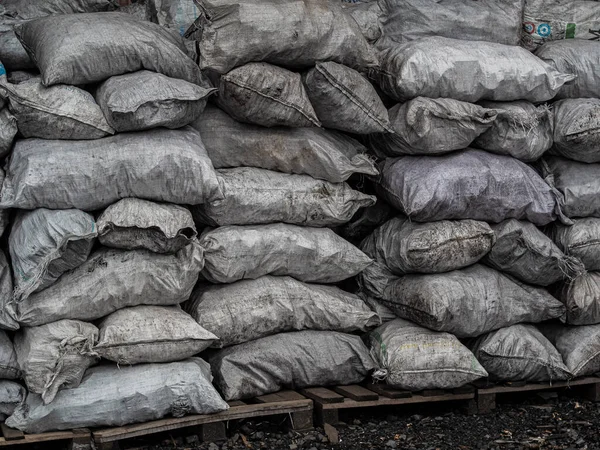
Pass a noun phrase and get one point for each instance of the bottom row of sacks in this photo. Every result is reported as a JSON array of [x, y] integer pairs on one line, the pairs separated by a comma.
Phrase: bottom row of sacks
[[399, 353]]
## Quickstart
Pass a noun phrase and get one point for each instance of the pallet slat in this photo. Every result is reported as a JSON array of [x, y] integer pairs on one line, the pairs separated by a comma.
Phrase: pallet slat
[[433, 392], [236, 412], [539, 386], [281, 396], [383, 401], [388, 392], [467, 389], [355, 392], [37, 438], [235, 403], [11, 434], [323, 395]]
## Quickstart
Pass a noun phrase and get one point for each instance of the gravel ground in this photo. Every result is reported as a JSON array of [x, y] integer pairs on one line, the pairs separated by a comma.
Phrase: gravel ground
[[529, 422]]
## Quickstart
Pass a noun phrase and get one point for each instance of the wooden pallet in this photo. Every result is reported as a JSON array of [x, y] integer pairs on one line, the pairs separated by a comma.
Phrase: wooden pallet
[[588, 387], [329, 401], [75, 440], [212, 427]]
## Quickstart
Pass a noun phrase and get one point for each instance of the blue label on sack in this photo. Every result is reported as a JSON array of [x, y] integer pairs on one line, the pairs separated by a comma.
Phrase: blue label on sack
[[2, 70], [544, 29]]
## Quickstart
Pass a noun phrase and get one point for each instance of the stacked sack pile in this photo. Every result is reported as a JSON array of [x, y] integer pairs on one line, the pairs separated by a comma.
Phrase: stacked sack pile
[[275, 137], [489, 226], [101, 252], [255, 170]]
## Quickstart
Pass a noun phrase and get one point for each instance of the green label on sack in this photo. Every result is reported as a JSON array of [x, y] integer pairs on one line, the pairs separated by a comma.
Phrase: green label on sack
[[2, 70], [570, 31], [382, 345]]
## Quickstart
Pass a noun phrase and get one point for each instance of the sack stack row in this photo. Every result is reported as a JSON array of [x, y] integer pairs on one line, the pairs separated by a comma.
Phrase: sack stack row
[[300, 192], [276, 138], [489, 242], [101, 250]]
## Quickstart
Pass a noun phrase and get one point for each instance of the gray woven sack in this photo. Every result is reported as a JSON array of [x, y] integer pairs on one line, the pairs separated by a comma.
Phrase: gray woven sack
[[290, 33], [60, 46], [311, 255], [145, 99], [519, 353], [488, 20], [151, 391], [323, 154], [162, 165], [257, 196], [290, 360], [492, 188], [467, 71]]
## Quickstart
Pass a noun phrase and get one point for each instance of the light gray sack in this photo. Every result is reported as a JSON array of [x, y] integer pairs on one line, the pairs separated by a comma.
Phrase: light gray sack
[[60, 45], [578, 185], [578, 57], [252, 309], [523, 251], [577, 129], [521, 130], [545, 21], [257, 196], [467, 71], [151, 334], [133, 223], [163, 165], [8, 314], [400, 246], [46, 243], [266, 95], [138, 9], [366, 14], [442, 246], [578, 346], [8, 131], [580, 240], [55, 112], [488, 20], [345, 100], [11, 395], [9, 367], [519, 353], [26, 9], [55, 356], [416, 358], [323, 154], [427, 126], [311, 255], [469, 302], [492, 188], [114, 279], [144, 100], [290, 360], [178, 15], [581, 296], [150, 391], [289, 33]]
